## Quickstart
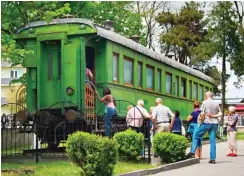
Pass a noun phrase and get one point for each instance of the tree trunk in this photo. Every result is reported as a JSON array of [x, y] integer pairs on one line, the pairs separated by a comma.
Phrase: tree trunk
[[223, 83]]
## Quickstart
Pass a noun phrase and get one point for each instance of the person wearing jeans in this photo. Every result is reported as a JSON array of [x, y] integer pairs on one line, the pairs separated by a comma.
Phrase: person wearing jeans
[[109, 102], [210, 112]]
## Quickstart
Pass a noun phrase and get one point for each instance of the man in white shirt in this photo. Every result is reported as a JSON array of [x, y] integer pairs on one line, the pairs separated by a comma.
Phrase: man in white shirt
[[136, 115], [209, 115], [161, 115]]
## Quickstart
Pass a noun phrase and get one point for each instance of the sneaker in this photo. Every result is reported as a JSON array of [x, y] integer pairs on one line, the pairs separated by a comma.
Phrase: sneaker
[[190, 155], [229, 154], [233, 155], [212, 162]]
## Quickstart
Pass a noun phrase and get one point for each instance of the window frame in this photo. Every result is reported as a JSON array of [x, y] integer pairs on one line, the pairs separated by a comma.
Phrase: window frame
[[190, 90], [170, 74], [150, 67], [185, 88], [159, 80], [177, 85], [139, 74], [15, 73], [132, 61], [117, 67], [194, 83], [201, 86]]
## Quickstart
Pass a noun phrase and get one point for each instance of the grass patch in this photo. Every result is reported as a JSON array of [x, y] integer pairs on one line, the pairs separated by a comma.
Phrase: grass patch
[[125, 167], [240, 136], [58, 168], [67, 168], [13, 150]]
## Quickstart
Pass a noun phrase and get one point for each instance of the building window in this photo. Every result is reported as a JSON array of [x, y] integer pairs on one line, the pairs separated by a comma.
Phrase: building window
[[159, 81], [201, 92], [195, 94], [115, 67], [128, 71], [13, 74], [50, 66], [183, 87], [190, 89], [150, 78], [139, 74], [168, 83], [177, 86]]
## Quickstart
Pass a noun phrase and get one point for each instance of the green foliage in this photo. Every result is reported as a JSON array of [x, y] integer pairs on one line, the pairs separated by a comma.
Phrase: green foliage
[[126, 22], [214, 73], [130, 143], [96, 155], [170, 147], [16, 14], [184, 33]]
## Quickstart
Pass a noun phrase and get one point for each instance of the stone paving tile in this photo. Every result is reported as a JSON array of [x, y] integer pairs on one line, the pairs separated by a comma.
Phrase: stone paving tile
[[224, 165]]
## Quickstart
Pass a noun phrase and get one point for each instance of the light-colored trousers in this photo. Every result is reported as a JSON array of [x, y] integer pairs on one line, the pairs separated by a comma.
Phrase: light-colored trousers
[[231, 139], [163, 127]]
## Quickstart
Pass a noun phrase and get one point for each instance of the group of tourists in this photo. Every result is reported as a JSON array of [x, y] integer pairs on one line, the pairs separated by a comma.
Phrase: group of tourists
[[207, 121], [201, 120]]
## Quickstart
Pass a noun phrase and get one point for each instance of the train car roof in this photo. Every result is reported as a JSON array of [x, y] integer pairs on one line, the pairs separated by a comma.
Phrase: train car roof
[[117, 38]]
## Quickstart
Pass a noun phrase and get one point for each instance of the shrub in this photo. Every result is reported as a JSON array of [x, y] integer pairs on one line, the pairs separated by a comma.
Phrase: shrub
[[94, 154], [130, 144], [170, 147]]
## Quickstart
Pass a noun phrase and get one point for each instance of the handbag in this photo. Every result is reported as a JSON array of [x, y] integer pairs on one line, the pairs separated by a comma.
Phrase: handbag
[[183, 130]]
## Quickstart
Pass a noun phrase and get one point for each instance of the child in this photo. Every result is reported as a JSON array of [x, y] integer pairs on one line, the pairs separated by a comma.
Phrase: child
[[176, 123]]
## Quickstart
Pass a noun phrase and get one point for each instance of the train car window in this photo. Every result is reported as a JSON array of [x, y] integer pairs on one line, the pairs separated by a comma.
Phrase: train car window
[[159, 80], [183, 87], [150, 78], [128, 71], [139, 74], [50, 66], [195, 94], [115, 67], [59, 65], [177, 86], [190, 89], [201, 92], [206, 89], [168, 83]]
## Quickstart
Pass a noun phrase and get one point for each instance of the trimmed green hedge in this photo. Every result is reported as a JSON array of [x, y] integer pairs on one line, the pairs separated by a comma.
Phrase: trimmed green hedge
[[130, 144], [170, 147], [96, 155]]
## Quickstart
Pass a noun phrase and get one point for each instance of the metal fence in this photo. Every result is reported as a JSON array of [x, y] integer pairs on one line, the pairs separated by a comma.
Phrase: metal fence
[[41, 138]]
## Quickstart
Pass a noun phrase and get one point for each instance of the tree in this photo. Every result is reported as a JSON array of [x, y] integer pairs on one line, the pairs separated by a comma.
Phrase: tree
[[126, 21], [17, 14], [214, 73], [149, 11], [184, 33], [237, 61], [223, 35]]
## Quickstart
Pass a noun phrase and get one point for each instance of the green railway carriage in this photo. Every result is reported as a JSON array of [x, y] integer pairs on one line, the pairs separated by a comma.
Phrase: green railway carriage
[[63, 48]]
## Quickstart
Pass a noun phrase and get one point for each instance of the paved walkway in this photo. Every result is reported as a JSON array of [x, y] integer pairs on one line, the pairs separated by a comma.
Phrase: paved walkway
[[224, 165]]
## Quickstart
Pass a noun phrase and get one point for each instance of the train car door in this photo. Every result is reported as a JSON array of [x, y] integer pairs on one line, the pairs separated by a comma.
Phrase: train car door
[[89, 90], [51, 73]]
